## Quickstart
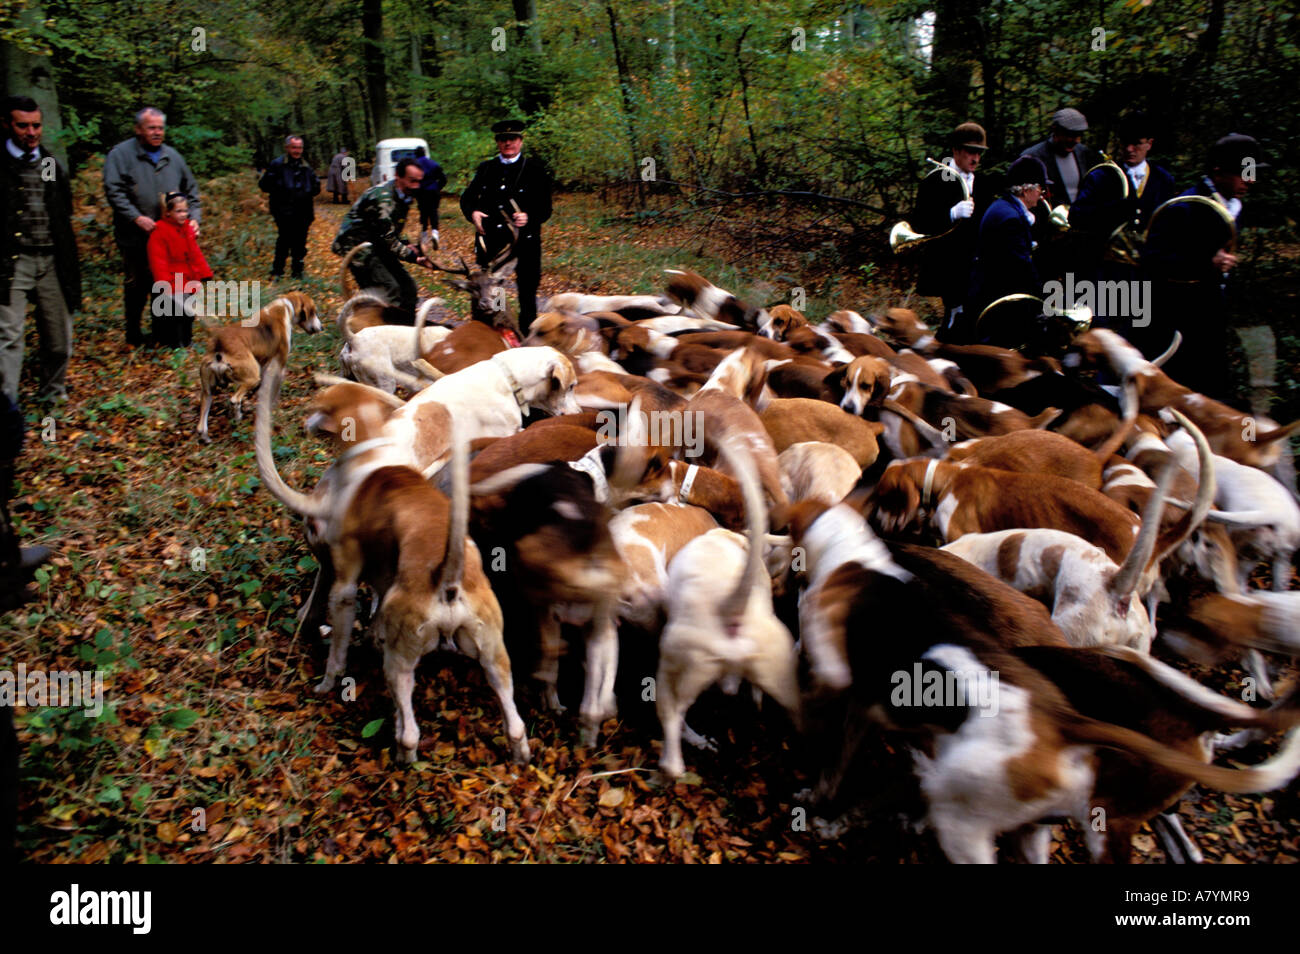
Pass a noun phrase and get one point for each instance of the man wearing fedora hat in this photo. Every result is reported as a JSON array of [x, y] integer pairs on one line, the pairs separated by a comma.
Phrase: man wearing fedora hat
[[943, 209], [1189, 257], [518, 187], [1004, 253]]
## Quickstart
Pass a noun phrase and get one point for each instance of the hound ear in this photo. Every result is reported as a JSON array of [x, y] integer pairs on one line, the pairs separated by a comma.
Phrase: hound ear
[[320, 422], [557, 376], [879, 391], [835, 379]]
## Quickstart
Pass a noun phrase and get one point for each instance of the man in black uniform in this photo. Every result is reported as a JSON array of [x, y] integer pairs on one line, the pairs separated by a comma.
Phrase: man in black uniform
[[942, 206], [1189, 257], [520, 187], [1111, 197]]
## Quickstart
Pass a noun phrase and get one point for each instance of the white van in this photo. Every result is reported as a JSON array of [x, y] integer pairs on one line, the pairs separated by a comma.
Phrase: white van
[[387, 154]]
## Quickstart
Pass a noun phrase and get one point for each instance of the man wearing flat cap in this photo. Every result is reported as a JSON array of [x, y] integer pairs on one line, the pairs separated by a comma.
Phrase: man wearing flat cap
[[516, 188], [1189, 257], [1064, 155], [1004, 254], [950, 203]]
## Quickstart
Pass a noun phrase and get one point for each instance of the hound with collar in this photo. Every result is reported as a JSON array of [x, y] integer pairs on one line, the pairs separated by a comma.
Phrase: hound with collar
[[487, 399]]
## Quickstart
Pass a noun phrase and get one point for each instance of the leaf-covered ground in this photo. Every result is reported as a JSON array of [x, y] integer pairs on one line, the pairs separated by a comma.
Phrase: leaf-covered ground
[[179, 578]]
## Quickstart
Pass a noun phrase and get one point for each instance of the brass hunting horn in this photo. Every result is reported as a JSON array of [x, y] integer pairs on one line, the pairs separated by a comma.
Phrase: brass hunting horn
[[903, 238], [1060, 216]]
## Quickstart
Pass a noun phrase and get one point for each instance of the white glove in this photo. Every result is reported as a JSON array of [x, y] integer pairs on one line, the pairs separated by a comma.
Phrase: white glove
[[1033, 219], [962, 210]]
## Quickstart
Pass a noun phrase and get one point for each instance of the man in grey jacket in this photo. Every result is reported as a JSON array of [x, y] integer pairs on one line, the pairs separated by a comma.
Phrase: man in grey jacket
[[137, 174]]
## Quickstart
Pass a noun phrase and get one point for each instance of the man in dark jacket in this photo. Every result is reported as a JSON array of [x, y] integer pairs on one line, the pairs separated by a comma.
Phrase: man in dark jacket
[[1124, 194], [1064, 155], [1004, 257], [511, 184], [137, 174], [950, 204], [292, 184], [379, 217], [1102, 206], [429, 194], [38, 254], [1189, 257], [1067, 161]]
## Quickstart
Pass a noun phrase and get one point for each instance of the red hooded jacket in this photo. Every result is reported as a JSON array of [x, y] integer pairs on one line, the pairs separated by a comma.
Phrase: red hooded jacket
[[173, 251]]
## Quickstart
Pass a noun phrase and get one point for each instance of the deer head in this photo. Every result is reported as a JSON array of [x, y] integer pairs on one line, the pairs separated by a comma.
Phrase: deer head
[[485, 284]]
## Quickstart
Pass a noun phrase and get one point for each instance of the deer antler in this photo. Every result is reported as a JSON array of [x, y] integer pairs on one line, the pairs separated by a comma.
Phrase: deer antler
[[507, 253]]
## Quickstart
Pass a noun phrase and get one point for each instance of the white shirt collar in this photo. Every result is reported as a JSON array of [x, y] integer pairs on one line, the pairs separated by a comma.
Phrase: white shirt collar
[[1138, 172], [967, 177], [508, 162], [15, 150]]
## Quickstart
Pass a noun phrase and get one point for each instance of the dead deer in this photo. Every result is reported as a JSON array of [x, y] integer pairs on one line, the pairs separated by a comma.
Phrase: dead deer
[[485, 284]]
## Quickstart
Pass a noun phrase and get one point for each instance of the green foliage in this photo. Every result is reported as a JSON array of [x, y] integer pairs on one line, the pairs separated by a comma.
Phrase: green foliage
[[843, 99], [207, 151]]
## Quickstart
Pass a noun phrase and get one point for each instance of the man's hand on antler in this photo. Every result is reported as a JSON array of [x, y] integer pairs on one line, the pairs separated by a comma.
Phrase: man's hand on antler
[[520, 219], [478, 218], [423, 262]]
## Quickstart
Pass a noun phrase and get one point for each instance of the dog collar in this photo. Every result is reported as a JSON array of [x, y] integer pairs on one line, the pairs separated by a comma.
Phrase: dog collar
[[589, 465], [691, 473], [514, 385], [928, 484], [362, 448]]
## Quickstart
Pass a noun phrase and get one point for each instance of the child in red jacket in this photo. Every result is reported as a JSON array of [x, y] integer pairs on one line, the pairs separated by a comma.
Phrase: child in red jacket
[[176, 261]]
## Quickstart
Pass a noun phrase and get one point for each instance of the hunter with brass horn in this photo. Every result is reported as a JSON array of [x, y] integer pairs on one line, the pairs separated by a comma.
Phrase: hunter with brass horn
[[949, 204], [1115, 203], [1004, 254], [1189, 257]]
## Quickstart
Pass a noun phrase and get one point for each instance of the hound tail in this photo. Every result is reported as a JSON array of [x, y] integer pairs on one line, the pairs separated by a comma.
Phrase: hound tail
[[453, 564], [310, 507], [344, 276], [742, 465]]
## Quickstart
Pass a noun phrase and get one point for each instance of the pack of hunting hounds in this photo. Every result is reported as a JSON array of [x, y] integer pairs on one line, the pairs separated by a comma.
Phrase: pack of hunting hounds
[[965, 550]]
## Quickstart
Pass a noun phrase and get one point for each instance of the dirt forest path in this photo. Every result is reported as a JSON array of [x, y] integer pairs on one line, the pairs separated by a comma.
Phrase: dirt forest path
[[179, 579]]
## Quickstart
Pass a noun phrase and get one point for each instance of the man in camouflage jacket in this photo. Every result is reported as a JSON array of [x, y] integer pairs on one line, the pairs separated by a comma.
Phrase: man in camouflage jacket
[[378, 217]]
